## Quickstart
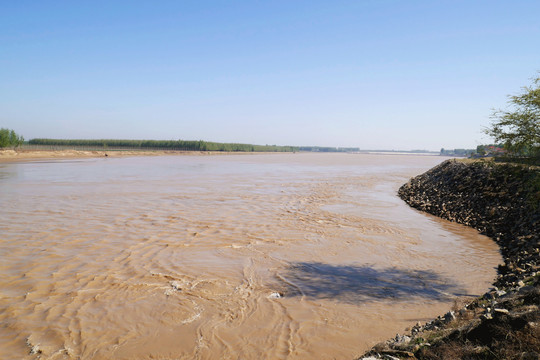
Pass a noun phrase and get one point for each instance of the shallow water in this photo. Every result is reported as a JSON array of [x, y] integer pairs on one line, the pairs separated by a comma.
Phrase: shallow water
[[278, 256]]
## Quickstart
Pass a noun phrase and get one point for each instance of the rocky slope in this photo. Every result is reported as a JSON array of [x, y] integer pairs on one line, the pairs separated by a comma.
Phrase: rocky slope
[[501, 201]]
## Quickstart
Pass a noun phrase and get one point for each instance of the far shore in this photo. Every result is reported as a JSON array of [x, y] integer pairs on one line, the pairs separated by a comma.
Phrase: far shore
[[10, 155], [27, 155]]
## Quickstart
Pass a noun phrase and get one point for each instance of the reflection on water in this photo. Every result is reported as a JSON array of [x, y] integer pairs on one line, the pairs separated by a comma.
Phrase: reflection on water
[[181, 257]]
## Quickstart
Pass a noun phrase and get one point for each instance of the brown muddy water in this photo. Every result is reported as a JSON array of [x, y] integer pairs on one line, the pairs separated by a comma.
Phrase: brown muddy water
[[281, 256]]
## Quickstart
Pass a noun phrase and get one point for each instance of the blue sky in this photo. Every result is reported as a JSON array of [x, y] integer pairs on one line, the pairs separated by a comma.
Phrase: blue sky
[[370, 74]]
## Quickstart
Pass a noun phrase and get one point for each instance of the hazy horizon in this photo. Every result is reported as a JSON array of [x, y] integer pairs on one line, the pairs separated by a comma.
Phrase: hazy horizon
[[383, 75]]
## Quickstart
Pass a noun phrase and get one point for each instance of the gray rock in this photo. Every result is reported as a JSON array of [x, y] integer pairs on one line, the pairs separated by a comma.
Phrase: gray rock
[[400, 339], [449, 316]]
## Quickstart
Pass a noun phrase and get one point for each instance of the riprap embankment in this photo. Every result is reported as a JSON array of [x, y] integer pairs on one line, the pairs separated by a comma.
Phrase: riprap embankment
[[501, 201]]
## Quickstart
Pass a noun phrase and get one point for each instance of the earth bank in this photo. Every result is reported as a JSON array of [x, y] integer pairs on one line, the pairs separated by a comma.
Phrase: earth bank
[[501, 201]]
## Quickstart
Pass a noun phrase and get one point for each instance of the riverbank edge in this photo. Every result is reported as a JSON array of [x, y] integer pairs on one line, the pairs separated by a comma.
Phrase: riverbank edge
[[13, 156], [501, 201]]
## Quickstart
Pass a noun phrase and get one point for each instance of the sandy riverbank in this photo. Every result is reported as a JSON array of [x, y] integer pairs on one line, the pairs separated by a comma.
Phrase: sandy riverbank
[[33, 155]]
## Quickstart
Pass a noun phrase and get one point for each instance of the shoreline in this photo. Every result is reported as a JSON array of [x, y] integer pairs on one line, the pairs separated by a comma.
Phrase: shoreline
[[501, 201], [14, 156], [30, 155]]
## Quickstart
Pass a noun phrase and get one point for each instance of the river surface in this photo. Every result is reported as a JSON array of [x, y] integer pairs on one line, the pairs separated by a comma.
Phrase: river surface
[[277, 256]]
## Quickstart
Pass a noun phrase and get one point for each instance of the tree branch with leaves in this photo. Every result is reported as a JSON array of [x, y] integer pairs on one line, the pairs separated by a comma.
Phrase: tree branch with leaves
[[518, 128]]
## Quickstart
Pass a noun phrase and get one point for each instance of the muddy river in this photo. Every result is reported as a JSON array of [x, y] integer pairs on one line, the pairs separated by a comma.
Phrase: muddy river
[[278, 256]]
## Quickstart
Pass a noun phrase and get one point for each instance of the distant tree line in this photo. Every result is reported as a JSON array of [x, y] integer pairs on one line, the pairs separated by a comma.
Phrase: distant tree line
[[188, 145], [9, 138], [327, 149], [457, 152], [490, 150]]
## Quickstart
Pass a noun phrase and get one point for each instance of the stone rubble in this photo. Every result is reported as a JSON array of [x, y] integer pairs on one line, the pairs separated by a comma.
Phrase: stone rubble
[[501, 201]]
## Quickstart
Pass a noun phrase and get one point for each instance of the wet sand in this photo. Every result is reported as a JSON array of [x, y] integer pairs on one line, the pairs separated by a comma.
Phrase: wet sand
[[281, 256]]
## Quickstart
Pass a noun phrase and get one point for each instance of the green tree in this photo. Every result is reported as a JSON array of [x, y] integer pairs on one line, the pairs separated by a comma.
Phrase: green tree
[[518, 128], [481, 150], [9, 138]]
